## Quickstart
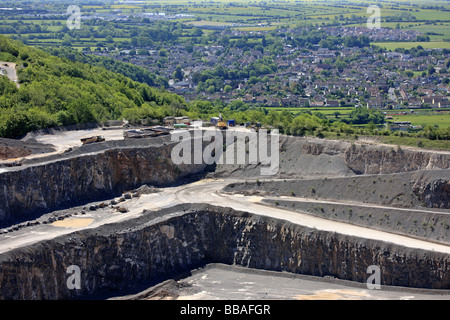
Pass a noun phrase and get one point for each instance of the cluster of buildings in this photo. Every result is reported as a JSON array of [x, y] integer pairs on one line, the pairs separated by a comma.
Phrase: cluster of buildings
[[347, 76], [381, 34]]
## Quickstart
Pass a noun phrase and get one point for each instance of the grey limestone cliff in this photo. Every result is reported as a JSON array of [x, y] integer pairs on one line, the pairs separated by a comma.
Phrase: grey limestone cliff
[[156, 246]]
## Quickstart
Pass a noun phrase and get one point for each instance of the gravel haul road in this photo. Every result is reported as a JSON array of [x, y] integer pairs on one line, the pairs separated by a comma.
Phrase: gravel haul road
[[208, 191]]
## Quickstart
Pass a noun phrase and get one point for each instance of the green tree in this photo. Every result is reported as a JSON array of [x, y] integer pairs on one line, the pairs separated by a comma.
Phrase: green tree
[[409, 73], [178, 73]]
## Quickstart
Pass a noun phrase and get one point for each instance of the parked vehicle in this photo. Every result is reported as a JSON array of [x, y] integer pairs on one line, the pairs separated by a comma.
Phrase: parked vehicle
[[92, 139]]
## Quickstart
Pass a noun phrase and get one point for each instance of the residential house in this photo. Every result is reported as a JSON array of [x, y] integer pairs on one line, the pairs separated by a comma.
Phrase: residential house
[[444, 104], [375, 103], [332, 103], [248, 98], [433, 100], [303, 102], [414, 103], [317, 104], [169, 121]]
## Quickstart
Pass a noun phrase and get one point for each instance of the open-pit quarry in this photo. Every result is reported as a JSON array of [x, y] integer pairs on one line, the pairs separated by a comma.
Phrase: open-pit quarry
[[138, 226]]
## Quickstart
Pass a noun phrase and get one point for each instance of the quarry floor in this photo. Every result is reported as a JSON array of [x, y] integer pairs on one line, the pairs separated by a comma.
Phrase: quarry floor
[[220, 282]]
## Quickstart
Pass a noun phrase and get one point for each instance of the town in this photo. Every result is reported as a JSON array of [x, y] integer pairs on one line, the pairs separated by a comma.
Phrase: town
[[318, 75]]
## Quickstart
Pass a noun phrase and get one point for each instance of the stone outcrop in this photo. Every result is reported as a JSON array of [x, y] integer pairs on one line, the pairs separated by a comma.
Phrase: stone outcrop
[[89, 173], [433, 188], [304, 157], [79, 179], [375, 159], [153, 247]]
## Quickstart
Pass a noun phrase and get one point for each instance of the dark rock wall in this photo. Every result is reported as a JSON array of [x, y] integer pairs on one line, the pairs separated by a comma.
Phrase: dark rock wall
[[376, 159], [433, 189], [63, 183], [148, 249]]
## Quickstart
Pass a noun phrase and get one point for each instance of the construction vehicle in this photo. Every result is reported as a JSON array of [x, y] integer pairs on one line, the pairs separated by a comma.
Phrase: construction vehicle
[[222, 125], [92, 139], [255, 127]]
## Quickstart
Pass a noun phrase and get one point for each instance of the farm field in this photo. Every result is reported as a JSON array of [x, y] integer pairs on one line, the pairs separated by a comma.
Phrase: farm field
[[409, 45], [324, 110], [441, 120], [415, 15], [422, 118]]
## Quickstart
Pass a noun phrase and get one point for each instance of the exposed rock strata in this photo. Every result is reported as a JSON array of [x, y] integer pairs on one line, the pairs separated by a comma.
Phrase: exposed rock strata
[[66, 182], [423, 188], [433, 189], [154, 247], [88, 174], [376, 159]]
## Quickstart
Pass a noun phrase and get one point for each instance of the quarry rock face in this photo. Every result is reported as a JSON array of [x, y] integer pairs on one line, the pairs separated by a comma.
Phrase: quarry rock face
[[144, 250], [376, 160], [62, 183], [136, 253], [432, 189]]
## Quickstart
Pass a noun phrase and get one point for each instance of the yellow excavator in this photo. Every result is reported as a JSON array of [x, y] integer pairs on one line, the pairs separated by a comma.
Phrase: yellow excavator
[[222, 125], [255, 127]]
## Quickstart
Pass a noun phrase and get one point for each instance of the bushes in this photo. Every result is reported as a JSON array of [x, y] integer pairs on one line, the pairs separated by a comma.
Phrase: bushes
[[6, 86], [16, 123], [432, 133], [303, 124], [55, 91], [13, 124], [8, 47], [135, 114]]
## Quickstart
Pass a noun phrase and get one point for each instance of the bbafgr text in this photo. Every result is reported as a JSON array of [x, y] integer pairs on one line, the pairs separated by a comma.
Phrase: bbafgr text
[[247, 309], [229, 309]]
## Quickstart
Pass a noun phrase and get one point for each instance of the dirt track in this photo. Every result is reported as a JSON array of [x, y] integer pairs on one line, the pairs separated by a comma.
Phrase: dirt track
[[209, 192], [11, 73]]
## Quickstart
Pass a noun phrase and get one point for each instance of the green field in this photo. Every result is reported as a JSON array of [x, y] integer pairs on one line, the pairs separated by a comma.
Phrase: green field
[[422, 118], [409, 45], [415, 142], [273, 14], [441, 120], [324, 110], [395, 141]]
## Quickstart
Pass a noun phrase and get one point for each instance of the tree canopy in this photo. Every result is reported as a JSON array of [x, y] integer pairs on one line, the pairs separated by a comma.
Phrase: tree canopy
[[57, 91]]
